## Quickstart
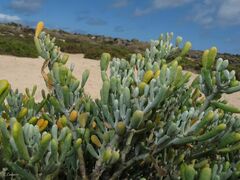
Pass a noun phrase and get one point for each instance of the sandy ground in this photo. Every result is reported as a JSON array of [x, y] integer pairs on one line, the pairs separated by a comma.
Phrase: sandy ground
[[25, 72]]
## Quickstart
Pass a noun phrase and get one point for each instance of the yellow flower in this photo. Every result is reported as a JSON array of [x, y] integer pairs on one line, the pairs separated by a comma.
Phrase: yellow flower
[[39, 28], [42, 124]]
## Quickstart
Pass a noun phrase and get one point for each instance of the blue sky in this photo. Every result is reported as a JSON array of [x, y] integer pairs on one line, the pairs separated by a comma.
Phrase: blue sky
[[205, 23]]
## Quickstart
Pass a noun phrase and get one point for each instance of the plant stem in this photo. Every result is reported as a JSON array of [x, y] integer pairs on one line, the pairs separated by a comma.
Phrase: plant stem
[[207, 102], [98, 170], [45, 77], [127, 164], [82, 164], [127, 147]]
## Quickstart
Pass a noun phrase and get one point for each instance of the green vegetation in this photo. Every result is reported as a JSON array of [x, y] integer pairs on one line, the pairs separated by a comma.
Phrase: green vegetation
[[94, 50], [149, 122], [24, 47], [16, 46]]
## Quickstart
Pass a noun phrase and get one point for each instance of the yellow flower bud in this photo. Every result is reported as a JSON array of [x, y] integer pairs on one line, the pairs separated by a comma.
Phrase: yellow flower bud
[[107, 155], [22, 113], [94, 124], [83, 117], [121, 128], [39, 28], [141, 87], [59, 124], [73, 116], [157, 73], [42, 124], [96, 141], [148, 76]]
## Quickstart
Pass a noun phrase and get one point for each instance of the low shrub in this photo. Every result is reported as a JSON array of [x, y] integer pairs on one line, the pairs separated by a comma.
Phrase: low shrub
[[17, 46], [149, 122]]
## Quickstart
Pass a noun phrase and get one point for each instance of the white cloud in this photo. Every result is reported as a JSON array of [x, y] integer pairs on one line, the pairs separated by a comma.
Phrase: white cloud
[[141, 12], [26, 5], [217, 13], [120, 3], [203, 15], [4, 18], [160, 4], [208, 13], [229, 12]]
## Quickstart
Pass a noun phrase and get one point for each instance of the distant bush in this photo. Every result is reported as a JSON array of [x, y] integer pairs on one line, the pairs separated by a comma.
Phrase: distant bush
[[24, 47], [17, 46], [94, 50]]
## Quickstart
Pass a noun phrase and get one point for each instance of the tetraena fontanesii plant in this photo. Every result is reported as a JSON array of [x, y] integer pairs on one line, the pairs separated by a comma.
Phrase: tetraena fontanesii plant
[[151, 121]]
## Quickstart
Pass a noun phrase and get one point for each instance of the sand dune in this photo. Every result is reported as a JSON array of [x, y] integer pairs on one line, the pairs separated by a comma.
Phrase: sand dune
[[25, 72]]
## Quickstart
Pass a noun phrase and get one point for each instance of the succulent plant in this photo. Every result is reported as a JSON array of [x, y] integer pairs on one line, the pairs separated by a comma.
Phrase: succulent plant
[[150, 121]]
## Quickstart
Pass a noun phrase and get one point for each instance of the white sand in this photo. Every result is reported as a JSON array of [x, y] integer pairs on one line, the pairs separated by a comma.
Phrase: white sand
[[25, 72]]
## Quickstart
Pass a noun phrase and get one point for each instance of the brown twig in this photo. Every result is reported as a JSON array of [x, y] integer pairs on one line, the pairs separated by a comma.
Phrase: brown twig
[[48, 82], [98, 170], [161, 171]]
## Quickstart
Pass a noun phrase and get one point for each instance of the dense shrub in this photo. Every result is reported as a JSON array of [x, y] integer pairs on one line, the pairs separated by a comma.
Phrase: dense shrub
[[149, 122]]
